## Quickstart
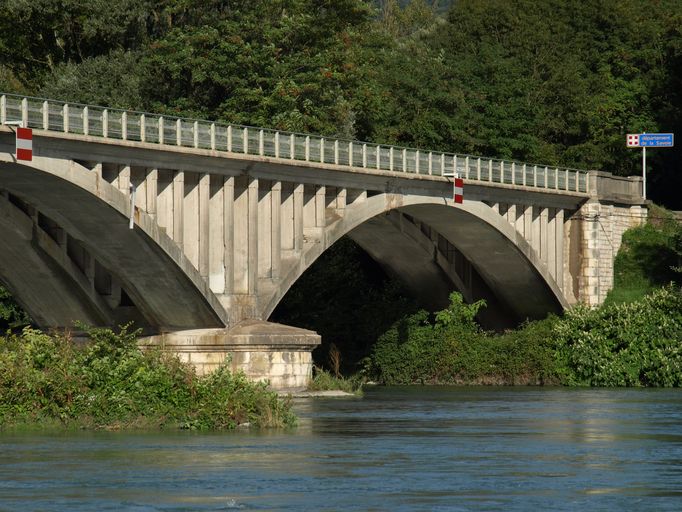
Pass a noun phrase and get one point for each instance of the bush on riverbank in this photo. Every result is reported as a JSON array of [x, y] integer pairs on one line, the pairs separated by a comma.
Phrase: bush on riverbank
[[451, 349], [111, 383], [630, 344]]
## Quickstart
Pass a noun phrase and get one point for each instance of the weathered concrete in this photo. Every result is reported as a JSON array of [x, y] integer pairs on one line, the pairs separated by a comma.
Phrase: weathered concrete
[[264, 351]]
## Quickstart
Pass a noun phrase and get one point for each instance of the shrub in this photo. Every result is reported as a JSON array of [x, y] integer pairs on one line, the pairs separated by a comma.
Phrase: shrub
[[452, 349], [634, 344], [111, 383]]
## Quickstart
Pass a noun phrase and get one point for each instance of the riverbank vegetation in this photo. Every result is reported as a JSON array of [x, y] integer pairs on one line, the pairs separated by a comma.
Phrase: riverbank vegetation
[[109, 383], [627, 344]]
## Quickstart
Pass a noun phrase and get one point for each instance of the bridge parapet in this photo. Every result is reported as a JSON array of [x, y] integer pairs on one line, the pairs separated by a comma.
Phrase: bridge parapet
[[51, 115]]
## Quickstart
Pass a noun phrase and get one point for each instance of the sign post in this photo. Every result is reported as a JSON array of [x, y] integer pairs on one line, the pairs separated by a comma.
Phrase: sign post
[[644, 140]]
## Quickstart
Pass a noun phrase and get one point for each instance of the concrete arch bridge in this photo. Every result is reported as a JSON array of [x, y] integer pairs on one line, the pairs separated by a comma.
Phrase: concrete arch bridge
[[196, 230]]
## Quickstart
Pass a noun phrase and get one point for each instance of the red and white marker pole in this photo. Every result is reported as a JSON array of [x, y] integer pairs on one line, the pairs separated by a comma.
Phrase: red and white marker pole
[[458, 190], [24, 144]]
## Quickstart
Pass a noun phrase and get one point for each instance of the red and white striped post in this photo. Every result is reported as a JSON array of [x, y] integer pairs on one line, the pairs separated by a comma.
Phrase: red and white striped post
[[458, 190], [24, 144]]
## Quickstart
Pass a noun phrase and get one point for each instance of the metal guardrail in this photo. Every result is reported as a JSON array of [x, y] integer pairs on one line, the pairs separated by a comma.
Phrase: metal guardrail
[[109, 123]]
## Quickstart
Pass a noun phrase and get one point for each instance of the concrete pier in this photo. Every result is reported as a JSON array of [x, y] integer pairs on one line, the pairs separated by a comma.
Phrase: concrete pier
[[264, 351]]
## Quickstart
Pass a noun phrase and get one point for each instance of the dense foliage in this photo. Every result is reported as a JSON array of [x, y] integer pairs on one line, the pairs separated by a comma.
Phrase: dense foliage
[[553, 81], [632, 344], [451, 349], [11, 314], [110, 383]]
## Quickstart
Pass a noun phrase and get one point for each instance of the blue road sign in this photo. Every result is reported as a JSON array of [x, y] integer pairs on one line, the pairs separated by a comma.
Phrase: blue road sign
[[656, 140]]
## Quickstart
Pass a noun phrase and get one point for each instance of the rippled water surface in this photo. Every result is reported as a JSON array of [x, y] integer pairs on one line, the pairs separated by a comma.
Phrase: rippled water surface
[[394, 449]]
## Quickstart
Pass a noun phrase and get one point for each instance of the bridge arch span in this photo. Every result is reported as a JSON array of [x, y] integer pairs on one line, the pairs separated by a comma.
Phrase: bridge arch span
[[141, 273], [510, 270]]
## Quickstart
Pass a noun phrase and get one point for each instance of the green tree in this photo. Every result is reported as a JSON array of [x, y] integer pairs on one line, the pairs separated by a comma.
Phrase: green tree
[[38, 35]]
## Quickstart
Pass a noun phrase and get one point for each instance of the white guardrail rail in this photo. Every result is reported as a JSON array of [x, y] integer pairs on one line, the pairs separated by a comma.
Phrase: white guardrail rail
[[51, 115]]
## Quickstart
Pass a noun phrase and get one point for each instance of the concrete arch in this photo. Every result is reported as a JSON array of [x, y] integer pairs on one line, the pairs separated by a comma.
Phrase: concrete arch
[[149, 265], [487, 240]]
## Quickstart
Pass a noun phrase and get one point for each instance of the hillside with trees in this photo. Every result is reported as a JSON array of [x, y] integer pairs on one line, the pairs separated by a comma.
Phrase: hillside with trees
[[550, 81]]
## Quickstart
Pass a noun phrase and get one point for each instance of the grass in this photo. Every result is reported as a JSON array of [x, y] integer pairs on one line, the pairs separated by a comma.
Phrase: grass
[[325, 381]]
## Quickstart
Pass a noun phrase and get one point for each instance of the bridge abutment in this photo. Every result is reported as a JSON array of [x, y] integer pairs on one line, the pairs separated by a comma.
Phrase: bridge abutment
[[596, 233]]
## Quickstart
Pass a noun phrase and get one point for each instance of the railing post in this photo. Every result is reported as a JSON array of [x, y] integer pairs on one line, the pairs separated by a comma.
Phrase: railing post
[[513, 171], [3, 109], [378, 152], [86, 121], [490, 171], [390, 158], [261, 143], [65, 117], [454, 165], [46, 115], [245, 140], [307, 148], [24, 112], [404, 160], [143, 128], [430, 163], [502, 172], [195, 133], [442, 164], [213, 136], [105, 123], [276, 144], [161, 134], [556, 178], [322, 150], [523, 169], [567, 175], [465, 174], [336, 152], [178, 132], [364, 156], [546, 176], [416, 162], [124, 126], [229, 138], [292, 146], [535, 175], [478, 169], [350, 154]]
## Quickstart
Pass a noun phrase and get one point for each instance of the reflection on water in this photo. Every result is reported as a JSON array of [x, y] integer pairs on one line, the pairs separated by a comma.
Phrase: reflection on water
[[395, 449]]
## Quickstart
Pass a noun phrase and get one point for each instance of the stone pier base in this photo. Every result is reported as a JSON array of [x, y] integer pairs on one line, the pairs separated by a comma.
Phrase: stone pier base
[[277, 353]]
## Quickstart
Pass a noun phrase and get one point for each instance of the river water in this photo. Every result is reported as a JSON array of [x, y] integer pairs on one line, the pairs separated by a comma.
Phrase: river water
[[406, 448]]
